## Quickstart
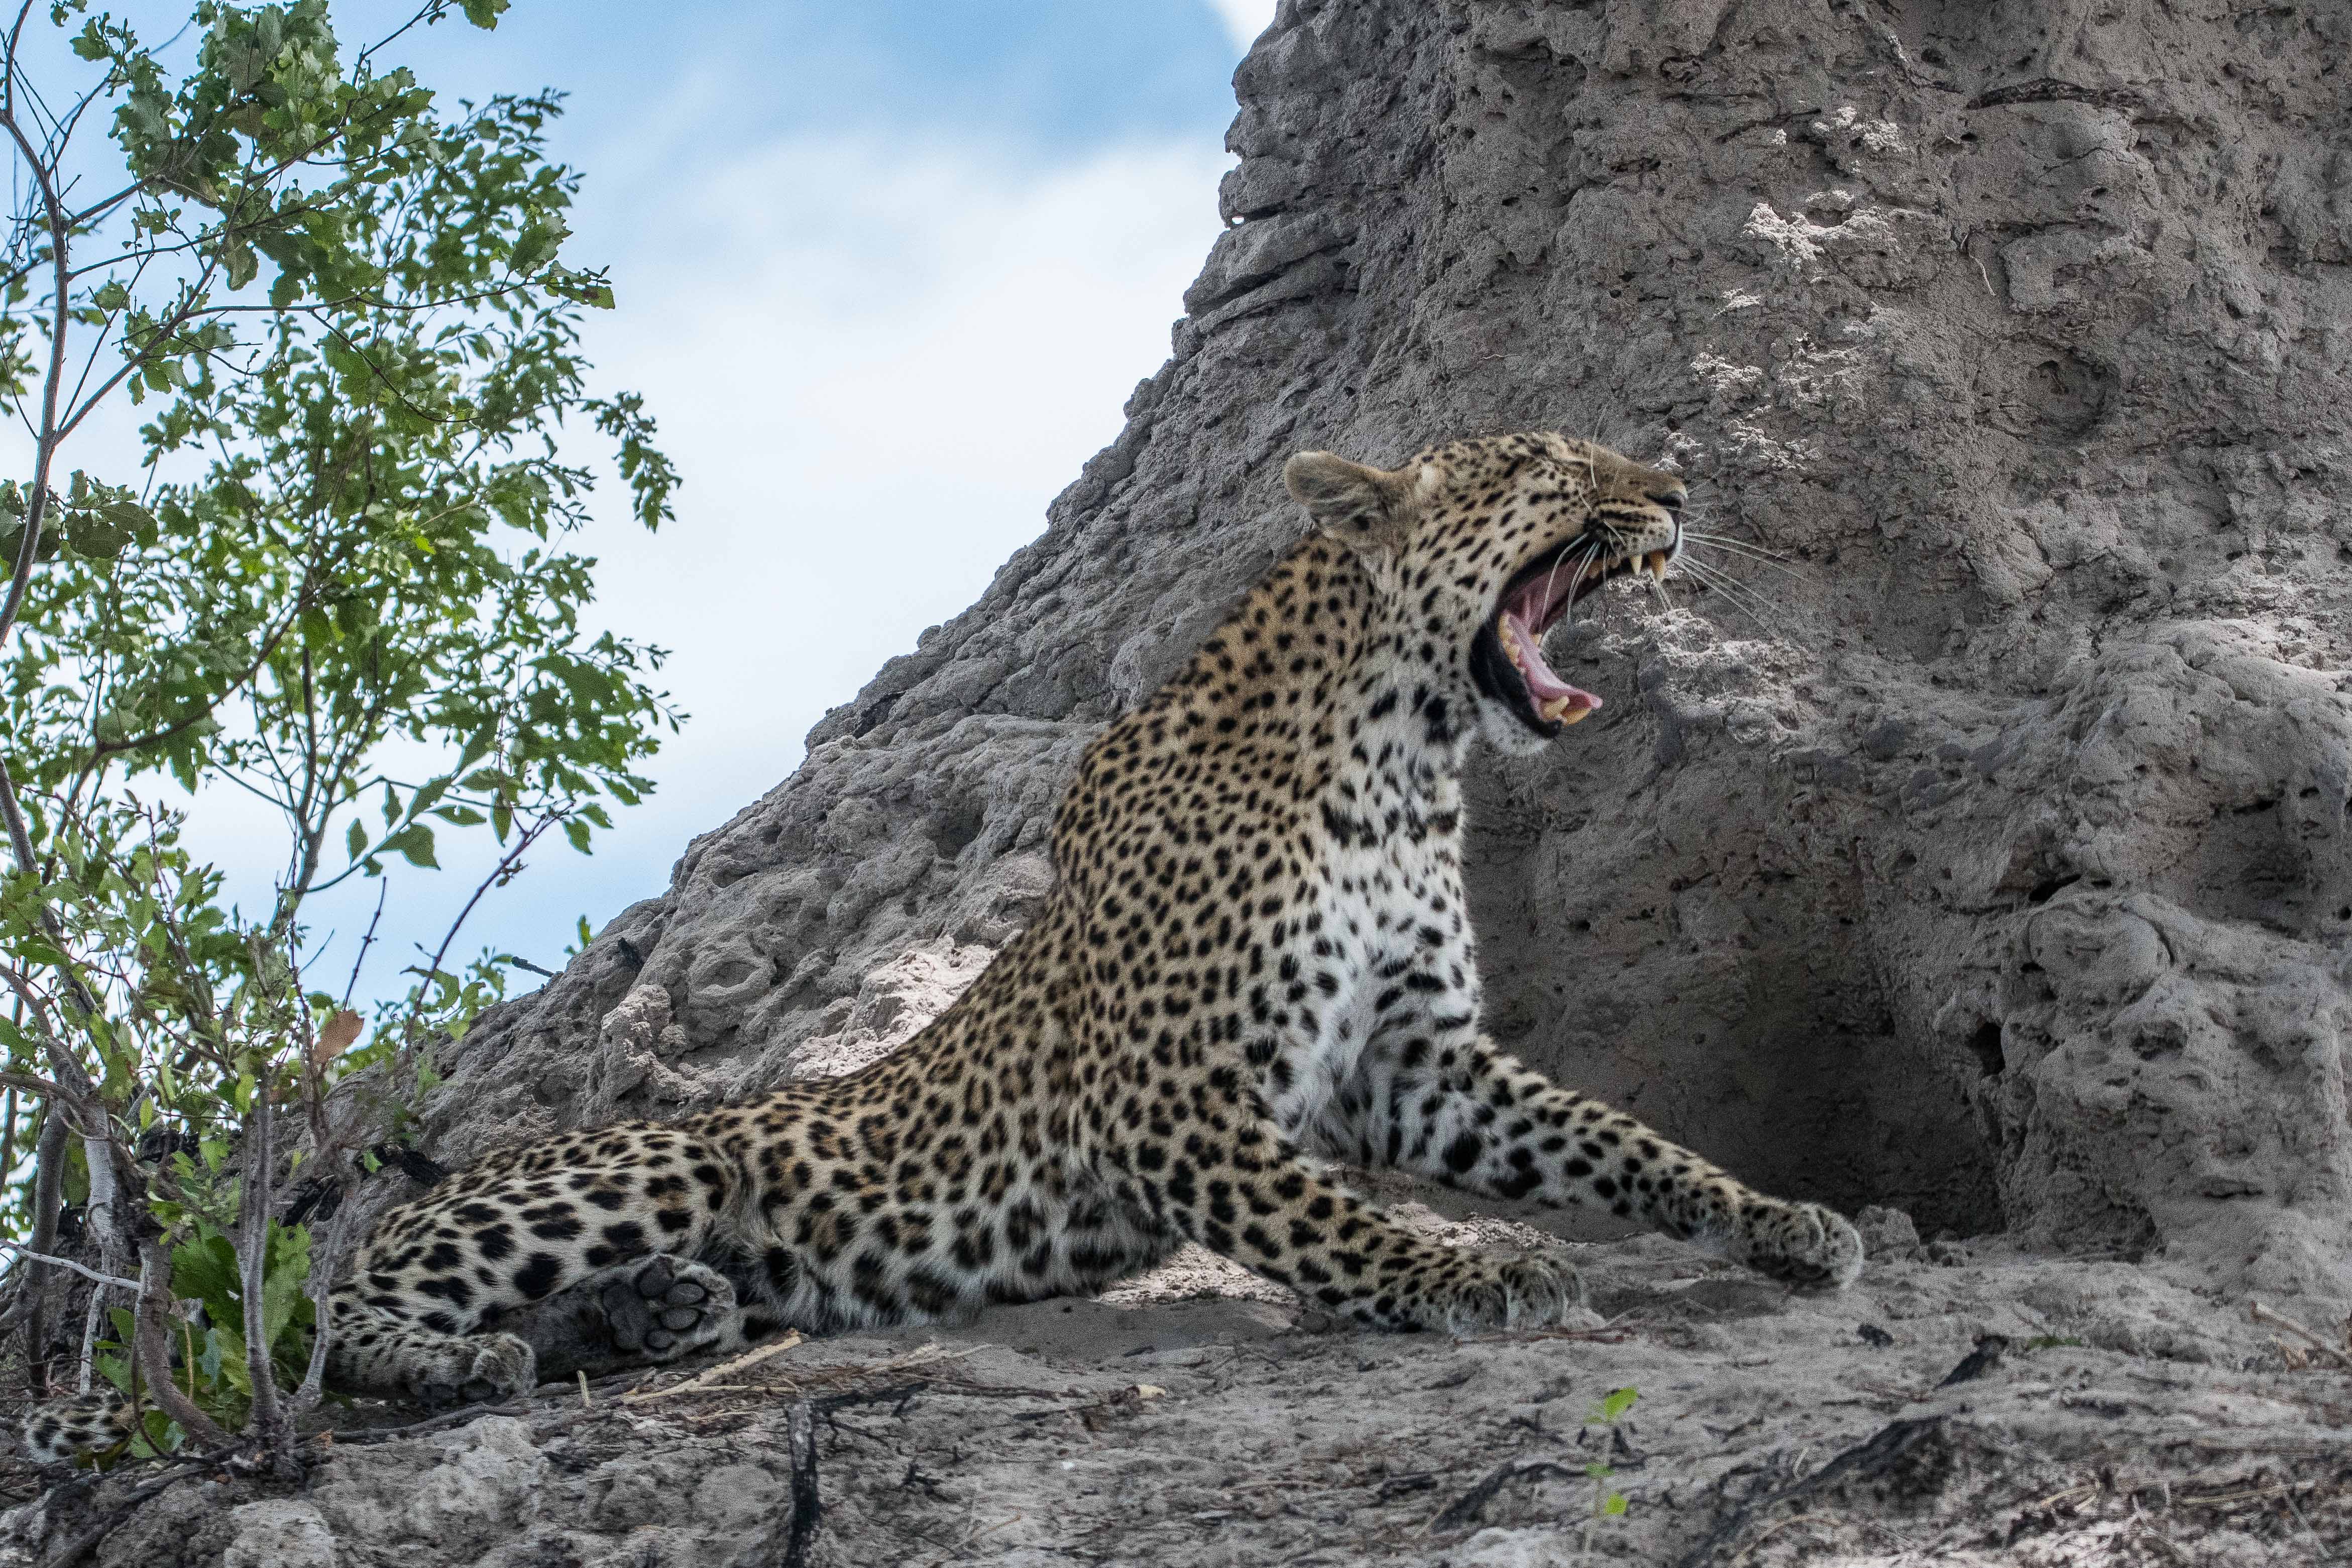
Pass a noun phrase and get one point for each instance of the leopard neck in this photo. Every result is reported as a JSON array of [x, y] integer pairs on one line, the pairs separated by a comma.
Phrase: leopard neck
[[1318, 662]]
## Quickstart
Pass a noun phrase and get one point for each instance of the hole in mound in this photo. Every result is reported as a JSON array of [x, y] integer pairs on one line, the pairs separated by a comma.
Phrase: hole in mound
[[1986, 1043], [1743, 1017]]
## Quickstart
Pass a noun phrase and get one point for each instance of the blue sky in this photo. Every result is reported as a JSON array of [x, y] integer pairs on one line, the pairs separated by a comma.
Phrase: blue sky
[[886, 272]]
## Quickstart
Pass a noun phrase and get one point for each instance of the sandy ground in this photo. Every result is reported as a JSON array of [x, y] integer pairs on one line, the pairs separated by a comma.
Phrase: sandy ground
[[1958, 1405]]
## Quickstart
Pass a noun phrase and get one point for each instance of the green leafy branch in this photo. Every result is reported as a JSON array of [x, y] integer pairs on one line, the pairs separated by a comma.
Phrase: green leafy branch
[[338, 583]]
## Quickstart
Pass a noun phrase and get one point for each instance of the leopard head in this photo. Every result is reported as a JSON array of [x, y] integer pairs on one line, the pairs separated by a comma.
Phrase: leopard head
[[1479, 547]]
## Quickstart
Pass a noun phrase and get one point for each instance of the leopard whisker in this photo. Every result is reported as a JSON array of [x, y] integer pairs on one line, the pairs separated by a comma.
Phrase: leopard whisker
[[1745, 550], [1740, 596], [1693, 524]]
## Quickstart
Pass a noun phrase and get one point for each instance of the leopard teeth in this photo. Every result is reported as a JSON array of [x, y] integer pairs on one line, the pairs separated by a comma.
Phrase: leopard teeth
[[1558, 710], [1656, 563]]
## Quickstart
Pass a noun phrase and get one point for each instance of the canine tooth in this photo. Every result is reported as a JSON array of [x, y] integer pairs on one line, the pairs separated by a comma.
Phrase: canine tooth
[[1574, 715], [1657, 564]]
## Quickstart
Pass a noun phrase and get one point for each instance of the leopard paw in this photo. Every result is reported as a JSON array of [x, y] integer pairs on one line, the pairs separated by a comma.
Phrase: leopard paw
[[1806, 1245], [482, 1370], [1526, 1290], [668, 1308]]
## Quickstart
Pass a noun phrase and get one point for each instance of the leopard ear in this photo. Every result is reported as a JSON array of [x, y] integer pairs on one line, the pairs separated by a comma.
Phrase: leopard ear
[[1363, 508]]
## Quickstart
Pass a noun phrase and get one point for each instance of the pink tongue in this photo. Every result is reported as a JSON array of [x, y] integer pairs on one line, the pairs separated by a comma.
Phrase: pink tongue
[[1543, 686]]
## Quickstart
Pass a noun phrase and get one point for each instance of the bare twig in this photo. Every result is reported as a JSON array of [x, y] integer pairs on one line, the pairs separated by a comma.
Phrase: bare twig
[[87, 1361], [2263, 1314], [48, 1195], [68, 1263], [704, 1379], [269, 1418], [151, 1349], [44, 448], [366, 941], [321, 1290], [808, 1504]]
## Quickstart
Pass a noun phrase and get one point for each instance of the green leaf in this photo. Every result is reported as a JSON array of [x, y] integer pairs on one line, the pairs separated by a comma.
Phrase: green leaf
[[577, 831], [1620, 1400], [413, 842], [205, 1270], [96, 535], [356, 840], [537, 244], [485, 14], [239, 262], [111, 295], [427, 793], [1613, 1505]]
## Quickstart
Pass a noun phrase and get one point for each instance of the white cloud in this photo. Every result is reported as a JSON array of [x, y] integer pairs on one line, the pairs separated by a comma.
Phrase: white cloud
[[875, 361], [1244, 19]]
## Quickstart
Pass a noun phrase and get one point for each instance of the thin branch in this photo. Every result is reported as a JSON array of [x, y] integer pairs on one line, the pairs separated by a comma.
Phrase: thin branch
[[20, 840], [48, 1194], [29, 1083], [323, 1261], [366, 941], [153, 1350], [137, 362], [45, 444], [498, 874], [68, 1263], [269, 1420], [105, 749]]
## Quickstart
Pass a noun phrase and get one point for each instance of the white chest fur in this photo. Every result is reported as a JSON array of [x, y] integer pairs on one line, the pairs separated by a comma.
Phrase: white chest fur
[[1388, 947]]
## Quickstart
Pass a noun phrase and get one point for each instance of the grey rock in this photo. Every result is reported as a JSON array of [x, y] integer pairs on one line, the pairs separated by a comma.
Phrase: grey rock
[[458, 1493], [1984, 856], [1887, 1234], [279, 1533]]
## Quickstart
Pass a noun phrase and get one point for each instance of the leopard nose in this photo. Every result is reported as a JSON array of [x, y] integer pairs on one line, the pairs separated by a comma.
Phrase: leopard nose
[[1671, 499]]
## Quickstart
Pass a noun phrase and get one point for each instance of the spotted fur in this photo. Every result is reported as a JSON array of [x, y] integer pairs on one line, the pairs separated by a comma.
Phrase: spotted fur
[[1257, 956]]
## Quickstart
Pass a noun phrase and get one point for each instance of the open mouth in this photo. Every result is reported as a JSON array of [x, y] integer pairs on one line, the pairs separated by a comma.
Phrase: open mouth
[[1506, 656]]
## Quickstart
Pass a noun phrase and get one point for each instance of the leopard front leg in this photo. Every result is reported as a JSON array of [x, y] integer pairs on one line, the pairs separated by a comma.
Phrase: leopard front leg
[[1258, 1201], [1472, 1116]]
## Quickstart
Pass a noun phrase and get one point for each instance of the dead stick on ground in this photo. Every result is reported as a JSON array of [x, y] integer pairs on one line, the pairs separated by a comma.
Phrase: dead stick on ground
[[808, 1505], [2326, 1554], [2263, 1314], [750, 1358]]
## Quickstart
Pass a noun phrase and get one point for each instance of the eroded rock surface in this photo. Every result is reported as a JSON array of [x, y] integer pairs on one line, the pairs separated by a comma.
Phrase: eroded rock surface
[[1999, 1410], [1987, 856]]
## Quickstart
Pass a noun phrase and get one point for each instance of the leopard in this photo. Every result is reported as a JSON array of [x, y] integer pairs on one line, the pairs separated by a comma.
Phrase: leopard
[[1255, 968]]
